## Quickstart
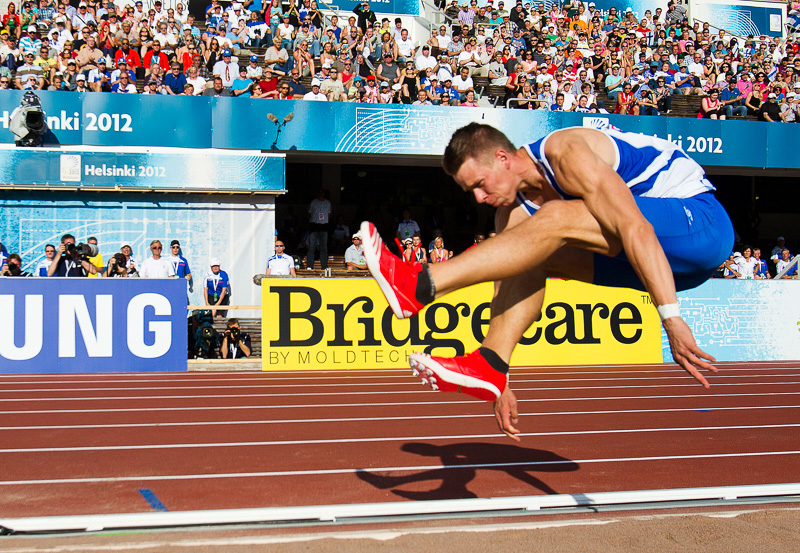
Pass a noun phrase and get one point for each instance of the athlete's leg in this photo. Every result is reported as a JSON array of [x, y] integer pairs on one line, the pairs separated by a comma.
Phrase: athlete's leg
[[526, 245]]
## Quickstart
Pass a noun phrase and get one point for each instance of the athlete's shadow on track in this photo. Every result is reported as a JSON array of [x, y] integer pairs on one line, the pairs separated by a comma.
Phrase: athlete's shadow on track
[[460, 463]]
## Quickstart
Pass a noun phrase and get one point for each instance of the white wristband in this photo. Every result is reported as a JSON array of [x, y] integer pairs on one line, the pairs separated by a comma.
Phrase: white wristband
[[668, 310]]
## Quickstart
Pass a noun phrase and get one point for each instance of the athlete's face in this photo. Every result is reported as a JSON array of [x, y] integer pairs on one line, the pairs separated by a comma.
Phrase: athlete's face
[[491, 180]]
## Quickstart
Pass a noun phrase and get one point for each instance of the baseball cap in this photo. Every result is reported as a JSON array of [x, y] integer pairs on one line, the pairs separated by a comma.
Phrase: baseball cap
[[384, 84], [253, 58], [315, 82], [214, 261], [772, 95], [32, 28], [408, 241], [174, 243], [327, 65], [101, 60], [780, 238], [80, 77], [791, 95], [357, 235], [226, 52]]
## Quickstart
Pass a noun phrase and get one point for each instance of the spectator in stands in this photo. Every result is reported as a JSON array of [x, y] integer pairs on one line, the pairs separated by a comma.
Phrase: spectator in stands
[[217, 89], [80, 84], [711, 107], [647, 104], [332, 87], [732, 99], [226, 69], [770, 111], [193, 78], [68, 262], [614, 82], [235, 343], [789, 109], [175, 80], [319, 211], [280, 264], [762, 271], [366, 17], [123, 86], [242, 86], [155, 55], [44, 264], [180, 266], [388, 71], [354, 255], [626, 104], [785, 261], [315, 94], [216, 289], [439, 253], [278, 58]]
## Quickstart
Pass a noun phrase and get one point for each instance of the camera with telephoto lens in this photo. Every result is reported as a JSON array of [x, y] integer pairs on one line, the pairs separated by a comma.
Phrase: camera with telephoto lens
[[235, 334], [83, 250], [122, 261]]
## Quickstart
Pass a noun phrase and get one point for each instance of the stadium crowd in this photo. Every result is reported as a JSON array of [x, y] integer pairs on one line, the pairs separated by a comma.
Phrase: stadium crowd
[[569, 57]]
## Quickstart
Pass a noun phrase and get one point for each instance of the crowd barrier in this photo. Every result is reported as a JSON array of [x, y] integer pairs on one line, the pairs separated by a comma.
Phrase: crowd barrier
[[202, 122], [82, 325]]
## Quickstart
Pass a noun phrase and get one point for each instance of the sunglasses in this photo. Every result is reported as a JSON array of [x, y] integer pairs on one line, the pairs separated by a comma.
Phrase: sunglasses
[[156, 248]]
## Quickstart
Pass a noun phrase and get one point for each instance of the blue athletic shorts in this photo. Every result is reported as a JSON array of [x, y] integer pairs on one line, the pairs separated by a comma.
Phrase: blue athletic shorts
[[695, 233]]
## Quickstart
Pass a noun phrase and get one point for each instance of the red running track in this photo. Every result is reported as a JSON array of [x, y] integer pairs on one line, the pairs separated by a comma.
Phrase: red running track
[[87, 444]]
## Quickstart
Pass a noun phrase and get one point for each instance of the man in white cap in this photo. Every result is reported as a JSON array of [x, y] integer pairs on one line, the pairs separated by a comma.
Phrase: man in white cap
[[216, 288], [280, 264], [354, 255], [789, 108], [315, 94]]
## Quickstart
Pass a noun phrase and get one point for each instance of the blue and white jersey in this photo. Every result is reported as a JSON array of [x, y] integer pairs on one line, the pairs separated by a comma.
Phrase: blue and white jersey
[[215, 282], [42, 266], [180, 265], [280, 264], [650, 166]]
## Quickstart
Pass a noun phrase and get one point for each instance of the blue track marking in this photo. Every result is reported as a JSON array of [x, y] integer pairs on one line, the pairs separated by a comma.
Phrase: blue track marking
[[154, 502]]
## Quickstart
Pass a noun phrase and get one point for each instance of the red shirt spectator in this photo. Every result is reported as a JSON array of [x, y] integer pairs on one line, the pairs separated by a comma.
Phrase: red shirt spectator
[[156, 55]]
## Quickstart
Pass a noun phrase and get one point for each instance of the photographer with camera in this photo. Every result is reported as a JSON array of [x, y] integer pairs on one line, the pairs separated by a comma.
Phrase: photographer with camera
[[72, 260], [13, 267], [235, 343], [117, 267]]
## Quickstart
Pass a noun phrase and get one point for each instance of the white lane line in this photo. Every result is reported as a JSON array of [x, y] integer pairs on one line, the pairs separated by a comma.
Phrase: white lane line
[[387, 439], [292, 376], [382, 419], [691, 384], [445, 402], [410, 380], [482, 466]]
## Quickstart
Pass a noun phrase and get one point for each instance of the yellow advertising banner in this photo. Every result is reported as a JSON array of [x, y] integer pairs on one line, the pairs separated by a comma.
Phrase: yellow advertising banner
[[347, 324]]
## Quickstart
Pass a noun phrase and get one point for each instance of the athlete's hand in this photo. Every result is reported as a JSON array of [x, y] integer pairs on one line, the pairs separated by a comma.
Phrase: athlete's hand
[[685, 351], [505, 411]]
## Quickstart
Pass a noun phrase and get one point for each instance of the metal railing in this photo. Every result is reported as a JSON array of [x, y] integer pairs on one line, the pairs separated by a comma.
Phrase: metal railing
[[793, 263], [519, 100]]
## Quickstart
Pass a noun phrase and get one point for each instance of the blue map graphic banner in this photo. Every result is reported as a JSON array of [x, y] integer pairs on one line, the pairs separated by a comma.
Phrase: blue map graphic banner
[[157, 169], [743, 320]]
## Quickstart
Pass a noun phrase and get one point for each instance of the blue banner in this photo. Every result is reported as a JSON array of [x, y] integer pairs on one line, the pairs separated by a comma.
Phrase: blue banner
[[155, 169], [80, 325], [367, 128]]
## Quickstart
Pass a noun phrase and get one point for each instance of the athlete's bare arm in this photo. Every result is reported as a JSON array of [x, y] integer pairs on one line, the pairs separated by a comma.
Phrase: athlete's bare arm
[[582, 161]]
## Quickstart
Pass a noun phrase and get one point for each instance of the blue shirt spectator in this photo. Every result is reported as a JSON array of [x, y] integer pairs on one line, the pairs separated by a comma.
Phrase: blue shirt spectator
[[175, 80]]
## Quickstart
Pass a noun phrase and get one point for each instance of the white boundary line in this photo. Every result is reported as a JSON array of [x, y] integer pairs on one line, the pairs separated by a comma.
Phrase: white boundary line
[[396, 469], [410, 381], [708, 396], [381, 419], [400, 508], [381, 439], [691, 384], [390, 373]]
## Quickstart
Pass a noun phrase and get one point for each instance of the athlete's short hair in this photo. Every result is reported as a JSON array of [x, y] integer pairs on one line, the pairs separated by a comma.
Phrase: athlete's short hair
[[473, 141]]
